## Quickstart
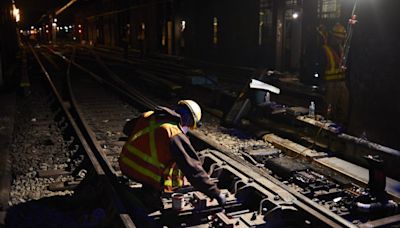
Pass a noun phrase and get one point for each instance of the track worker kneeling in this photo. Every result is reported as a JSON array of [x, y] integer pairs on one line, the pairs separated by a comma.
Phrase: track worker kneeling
[[158, 154]]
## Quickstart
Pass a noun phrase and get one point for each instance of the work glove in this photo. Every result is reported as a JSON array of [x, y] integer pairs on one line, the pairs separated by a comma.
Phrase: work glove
[[221, 199]]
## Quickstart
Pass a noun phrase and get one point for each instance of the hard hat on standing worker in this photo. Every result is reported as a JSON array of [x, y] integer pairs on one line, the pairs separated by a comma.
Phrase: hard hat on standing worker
[[194, 111]]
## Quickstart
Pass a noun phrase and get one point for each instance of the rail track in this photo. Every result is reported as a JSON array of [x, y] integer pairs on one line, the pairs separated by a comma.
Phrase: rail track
[[253, 175], [93, 200]]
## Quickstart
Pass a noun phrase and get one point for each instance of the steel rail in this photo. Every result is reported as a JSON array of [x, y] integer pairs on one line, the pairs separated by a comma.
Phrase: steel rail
[[314, 208], [85, 127], [124, 217], [130, 92], [301, 201]]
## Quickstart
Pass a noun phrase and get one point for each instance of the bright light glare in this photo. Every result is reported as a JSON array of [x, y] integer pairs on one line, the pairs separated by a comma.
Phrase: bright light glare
[[295, 15], [15, 13], [316, 75], [183, 25]]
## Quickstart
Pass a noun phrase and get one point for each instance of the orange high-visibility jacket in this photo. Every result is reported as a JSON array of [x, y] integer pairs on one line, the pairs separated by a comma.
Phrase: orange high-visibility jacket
[[146, 156], [173, 150], [333, 69]]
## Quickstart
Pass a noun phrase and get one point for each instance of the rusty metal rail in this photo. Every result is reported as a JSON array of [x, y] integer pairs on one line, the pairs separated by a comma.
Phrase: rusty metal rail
[[225, 158], [102, 176]]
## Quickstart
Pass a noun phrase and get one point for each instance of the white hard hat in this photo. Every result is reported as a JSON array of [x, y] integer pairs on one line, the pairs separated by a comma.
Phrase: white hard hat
[[195, 110]]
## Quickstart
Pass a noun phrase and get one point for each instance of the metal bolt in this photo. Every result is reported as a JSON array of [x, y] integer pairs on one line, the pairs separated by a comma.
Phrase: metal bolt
[[254, 216]]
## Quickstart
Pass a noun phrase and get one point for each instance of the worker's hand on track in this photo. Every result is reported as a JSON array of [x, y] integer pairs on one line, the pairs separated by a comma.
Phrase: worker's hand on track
[[221, 199]]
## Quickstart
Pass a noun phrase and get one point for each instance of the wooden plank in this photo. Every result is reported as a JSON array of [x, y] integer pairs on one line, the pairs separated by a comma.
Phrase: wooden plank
[[388, 221], [292, 147], [62, 186], [53, 173], [114, 143], [358, 173], [324, 125]]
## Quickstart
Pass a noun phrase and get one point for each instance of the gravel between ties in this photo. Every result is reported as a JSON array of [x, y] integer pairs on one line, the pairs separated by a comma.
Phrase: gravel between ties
[[37, 144]]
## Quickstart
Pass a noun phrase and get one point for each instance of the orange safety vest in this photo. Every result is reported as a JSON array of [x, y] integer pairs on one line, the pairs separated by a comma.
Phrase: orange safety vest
[[333, 70], [146, 156]]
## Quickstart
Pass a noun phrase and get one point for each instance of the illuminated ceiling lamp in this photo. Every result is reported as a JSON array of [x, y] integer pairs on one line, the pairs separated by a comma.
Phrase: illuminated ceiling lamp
[[15, 13]]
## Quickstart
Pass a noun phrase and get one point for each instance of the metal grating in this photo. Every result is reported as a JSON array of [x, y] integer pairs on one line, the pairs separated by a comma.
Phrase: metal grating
[[328, 9]]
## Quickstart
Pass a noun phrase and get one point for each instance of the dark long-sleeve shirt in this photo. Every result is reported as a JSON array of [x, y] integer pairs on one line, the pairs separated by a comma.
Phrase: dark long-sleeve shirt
[[188, 161]]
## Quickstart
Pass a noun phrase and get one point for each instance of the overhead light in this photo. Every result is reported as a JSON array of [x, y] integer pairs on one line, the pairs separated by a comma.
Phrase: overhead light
[[183, 25], [295, 15], [316, 75], [15, 13]]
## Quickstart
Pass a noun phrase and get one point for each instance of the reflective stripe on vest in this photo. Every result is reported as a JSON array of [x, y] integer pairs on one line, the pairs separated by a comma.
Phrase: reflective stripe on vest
[[174, 177], [152, 159], [333, 72], [140, 169]]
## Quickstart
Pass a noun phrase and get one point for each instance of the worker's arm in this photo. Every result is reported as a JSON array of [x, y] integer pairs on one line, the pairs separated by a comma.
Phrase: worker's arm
[[188, 161]]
